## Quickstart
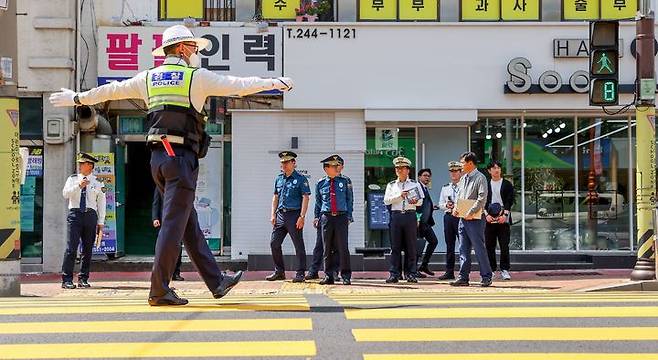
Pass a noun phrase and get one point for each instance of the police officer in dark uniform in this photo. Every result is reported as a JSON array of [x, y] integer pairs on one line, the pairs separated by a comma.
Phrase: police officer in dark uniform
[[86, 218], [403, 195], [289, 206], [318, 250], [175, 93], [334, 202]]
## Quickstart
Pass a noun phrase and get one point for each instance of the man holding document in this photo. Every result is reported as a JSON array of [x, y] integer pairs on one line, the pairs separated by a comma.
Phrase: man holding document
[[471, 198]]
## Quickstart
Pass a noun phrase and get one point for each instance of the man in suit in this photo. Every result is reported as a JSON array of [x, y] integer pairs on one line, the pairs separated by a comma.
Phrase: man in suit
[[497, 212], [425, 223], [156, 216]]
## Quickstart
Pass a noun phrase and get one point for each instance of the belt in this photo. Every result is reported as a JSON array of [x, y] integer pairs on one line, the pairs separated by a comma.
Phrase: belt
[[328, 213], [80, 211], [403, 211], [172, 139], [284, 210]]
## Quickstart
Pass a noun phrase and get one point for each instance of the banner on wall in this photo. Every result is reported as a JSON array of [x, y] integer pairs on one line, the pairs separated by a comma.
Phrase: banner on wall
[[104, 172], [10, 181], [208, 200]]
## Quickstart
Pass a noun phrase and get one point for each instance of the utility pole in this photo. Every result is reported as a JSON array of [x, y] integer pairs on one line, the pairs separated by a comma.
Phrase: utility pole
[[645, 115]]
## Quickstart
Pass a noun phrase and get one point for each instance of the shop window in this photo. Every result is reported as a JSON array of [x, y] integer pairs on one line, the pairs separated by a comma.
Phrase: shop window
[[383, 144], [30, 112], [500, 139], [209, 10]]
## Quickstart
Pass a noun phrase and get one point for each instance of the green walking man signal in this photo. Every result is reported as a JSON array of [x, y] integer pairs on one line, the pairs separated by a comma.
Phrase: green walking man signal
[[603, 63]]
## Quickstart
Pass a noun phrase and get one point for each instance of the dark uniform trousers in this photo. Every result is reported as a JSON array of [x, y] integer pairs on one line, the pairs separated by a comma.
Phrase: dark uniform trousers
[[499, 233], [451, 233], [82, 225], [334, 235], [176, 178], [318, 255], [426, 231], [286, 224], [403, 234]]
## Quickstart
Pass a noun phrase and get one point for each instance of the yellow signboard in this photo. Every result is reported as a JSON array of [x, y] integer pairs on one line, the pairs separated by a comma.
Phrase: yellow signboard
[[10, 181], [378, 10], [520, 10], [180, 9], [427, 10], [279, 9], [580, 9], [618, 9], [480, 10]]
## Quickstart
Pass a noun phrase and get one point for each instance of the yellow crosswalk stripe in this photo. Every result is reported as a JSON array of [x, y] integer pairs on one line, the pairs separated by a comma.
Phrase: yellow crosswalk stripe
[[503, 312], [439, 301], [508, 334], [288, 324], [514, 356], [159, 350], [141, 301]]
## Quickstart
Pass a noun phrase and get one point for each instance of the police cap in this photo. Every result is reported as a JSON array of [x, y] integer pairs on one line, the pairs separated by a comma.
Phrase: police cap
[[287, 156]]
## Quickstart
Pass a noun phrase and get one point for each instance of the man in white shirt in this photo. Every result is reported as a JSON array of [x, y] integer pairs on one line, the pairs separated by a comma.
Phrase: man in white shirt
[[450, 223], [86, 219], [175, 93], [403, 195]]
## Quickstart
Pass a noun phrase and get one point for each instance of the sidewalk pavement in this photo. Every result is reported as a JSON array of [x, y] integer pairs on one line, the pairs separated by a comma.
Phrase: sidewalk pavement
[[136, 284]]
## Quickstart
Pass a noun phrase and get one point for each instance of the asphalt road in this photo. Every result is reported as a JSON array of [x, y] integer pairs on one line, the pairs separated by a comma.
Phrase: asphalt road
[[374, 326]]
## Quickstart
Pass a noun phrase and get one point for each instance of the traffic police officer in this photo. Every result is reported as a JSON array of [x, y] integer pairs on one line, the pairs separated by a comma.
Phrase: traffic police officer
[[334, 202], [289, 206], [86, 219], [403, 195], [447, 200], [175, 93], [318, 250]]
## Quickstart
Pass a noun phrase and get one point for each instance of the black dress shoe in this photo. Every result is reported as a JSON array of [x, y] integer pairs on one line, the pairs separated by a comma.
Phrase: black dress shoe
[[392, 279], [312, 276], [177, 277], [83, 284], [68, 285], [486, 282], [169, 298], [420, 275], [227, 283], [299, 278], [447, 276], [426, 270], [327, 281], [276, 276], [411, 279], [347, 281], [460, 282]]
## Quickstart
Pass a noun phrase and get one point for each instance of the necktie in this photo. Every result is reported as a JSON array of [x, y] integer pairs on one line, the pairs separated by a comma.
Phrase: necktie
[[83, 199], [332, 196]]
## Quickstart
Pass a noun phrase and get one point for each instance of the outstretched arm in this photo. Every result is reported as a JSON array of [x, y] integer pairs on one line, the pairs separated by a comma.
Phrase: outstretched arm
[[133, 88], [212, 84]]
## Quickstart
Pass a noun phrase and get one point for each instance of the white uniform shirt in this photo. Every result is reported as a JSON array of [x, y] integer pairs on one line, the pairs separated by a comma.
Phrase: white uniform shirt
[[393, 195], [205, 83], [448, 193], [495, 192], [95, 194]]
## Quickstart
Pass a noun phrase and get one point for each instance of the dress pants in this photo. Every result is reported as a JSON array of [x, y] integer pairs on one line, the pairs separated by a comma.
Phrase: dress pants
[[286, 224]]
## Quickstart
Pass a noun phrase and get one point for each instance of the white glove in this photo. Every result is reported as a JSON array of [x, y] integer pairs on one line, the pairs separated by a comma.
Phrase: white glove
[[283, 83], [63, 98]]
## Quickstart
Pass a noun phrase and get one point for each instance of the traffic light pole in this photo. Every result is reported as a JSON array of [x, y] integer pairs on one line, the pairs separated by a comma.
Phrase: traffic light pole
[[645, 114]]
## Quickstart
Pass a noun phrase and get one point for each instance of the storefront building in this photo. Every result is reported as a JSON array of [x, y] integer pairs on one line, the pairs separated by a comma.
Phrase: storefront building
[[514, 92]]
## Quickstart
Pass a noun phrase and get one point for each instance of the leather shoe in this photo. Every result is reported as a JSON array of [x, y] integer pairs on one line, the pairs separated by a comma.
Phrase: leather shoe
[[299, 278], [411, 279], [68, 285], [312, 276], [426, 270], [327, 281], [460, 282], [227, 283], [276, 276], [420, 275], [392, 279], [447, 276], [347, 281], [486, 282], [169, 298], [177, 277], [83, 284]]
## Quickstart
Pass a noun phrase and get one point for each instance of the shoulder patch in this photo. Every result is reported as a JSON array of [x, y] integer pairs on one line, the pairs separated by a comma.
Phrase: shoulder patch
[[74, 175], [412, 180], [392, 182]]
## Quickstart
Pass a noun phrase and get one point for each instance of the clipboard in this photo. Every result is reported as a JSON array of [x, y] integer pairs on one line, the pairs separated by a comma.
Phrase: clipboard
[[464, 205]]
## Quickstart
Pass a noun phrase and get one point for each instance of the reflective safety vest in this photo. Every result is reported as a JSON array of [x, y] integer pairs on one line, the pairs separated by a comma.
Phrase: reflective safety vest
[[170, 109]]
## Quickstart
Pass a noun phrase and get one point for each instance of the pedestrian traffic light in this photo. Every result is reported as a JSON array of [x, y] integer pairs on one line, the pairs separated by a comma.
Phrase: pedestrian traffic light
[[603, 63]]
